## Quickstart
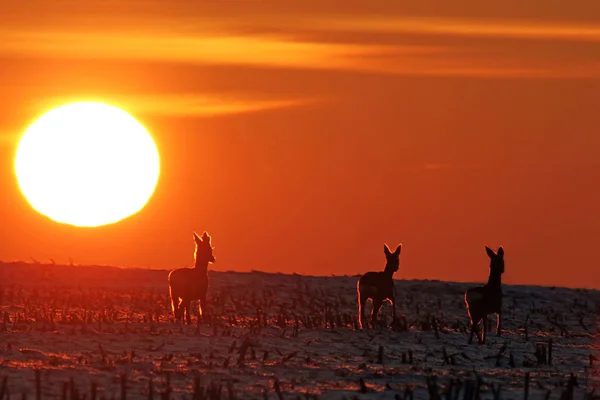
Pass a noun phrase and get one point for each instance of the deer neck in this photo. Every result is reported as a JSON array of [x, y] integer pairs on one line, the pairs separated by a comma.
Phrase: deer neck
[[389, 271], [495, 280], [201, 266]]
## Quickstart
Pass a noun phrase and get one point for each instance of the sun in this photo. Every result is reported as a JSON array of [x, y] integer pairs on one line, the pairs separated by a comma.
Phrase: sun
[[87, 164]]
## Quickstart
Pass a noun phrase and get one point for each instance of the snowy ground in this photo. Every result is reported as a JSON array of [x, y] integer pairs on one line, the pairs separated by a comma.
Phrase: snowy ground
[[273, 333]]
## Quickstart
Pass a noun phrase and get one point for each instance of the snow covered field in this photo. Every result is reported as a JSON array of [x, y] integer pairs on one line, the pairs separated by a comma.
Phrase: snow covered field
[[110, 331]]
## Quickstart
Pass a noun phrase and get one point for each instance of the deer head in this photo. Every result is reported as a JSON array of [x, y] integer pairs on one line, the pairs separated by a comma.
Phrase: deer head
[[392, 259], [496, 260], [203, 248]]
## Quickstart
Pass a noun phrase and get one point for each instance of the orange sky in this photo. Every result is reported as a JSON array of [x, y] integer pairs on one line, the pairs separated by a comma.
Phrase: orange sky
[[303, 135]]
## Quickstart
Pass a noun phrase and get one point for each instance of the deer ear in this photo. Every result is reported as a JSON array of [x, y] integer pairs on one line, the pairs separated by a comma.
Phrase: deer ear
[[398, 249], [386, 250], [206, 237], [197, 238], [500, 251], [490, 252]]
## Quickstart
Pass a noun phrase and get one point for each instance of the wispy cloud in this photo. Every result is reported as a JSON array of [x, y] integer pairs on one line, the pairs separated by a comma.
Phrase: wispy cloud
[[499, 69], [167, 105], [254, 16], [286, 52], [322, 42], [475, 47], [461, 27], [266, 50], [183, 105], [198, 106]]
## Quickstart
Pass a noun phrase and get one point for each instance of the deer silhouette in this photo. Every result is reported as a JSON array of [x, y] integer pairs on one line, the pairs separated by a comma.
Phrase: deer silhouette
[[189, 284], [378, 286], [487, 299]]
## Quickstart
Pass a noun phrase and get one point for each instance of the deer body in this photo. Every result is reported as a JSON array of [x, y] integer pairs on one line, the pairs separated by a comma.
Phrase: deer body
[[189, 284], [487, 299], [378, 286]]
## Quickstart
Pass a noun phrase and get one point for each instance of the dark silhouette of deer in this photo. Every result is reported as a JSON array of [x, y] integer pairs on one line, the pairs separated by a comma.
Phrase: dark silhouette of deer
[[487, 299], [378, 286], [189, 284]]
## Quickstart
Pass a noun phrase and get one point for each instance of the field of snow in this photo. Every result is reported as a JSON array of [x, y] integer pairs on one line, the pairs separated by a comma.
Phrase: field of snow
[[104, 332]]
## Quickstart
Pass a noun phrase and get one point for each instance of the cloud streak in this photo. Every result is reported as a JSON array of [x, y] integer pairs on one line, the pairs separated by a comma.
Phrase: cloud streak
[[460, 27], [286, 52], [157, 46], [194, 105], [168, 105], [458, 47], [181, 104]]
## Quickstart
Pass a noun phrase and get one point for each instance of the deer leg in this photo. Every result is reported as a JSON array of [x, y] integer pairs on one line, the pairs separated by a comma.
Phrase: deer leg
[[174, 306], [484, 329], [188, 316], [182, 309], [174, 302], [479, 331], [499, 324], [180, 312], [475, 330], [177, 309], [362, 301], [376, 306], [201, 308], [472, 332], [393, 301]]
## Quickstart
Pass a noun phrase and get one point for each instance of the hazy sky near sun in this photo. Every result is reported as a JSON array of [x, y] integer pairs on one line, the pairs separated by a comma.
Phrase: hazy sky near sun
[[303, 135]]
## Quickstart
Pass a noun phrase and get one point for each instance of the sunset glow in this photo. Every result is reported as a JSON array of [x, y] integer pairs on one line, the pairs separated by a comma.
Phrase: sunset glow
[[320, 124], [308, 198], [87, 164]]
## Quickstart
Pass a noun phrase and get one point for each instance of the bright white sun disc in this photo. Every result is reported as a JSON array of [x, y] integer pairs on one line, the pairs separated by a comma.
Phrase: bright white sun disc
[[87, 164]]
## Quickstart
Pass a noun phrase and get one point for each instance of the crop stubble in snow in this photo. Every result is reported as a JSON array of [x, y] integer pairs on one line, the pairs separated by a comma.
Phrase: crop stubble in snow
[[272, 332]]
